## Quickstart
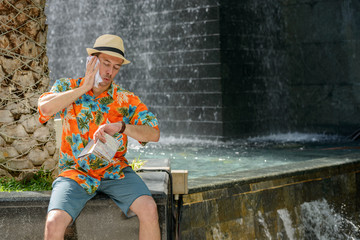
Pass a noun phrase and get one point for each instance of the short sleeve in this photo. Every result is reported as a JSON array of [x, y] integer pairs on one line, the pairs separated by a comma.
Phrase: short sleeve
[[140, 115], [60, 85]]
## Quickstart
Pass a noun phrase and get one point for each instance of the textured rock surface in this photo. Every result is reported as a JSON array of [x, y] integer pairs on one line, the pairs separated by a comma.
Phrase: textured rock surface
[[24, 143]]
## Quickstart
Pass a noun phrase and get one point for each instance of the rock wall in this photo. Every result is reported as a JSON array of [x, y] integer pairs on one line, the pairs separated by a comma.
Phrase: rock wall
[[25, 144]]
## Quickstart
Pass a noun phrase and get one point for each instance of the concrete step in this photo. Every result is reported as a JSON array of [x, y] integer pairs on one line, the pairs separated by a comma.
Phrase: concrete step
[[22, 214]]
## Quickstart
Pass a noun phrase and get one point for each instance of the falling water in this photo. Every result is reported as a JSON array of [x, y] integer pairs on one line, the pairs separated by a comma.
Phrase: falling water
[[264, 226], [173, 47], [319, 220], [285, 217], [323, 222]]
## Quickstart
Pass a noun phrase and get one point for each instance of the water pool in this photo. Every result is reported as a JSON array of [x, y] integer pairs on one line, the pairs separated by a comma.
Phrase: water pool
[[211, 158]]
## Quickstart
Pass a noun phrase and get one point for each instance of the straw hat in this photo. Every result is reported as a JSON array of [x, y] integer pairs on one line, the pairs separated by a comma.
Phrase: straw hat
[[109, 44]]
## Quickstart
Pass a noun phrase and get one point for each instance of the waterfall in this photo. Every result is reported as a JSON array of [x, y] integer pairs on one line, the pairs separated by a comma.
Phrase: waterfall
[[319, 220], [322, 222], [285, 217]]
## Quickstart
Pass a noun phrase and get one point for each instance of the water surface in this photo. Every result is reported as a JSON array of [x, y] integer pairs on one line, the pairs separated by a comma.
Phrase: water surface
[[211, 158]]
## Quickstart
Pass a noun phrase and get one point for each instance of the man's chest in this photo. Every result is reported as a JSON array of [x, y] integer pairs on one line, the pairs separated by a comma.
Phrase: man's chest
[[92, 113]]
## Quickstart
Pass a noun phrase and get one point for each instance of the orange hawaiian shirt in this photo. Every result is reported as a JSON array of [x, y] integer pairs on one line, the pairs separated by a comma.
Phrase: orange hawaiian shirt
[[82, 118]]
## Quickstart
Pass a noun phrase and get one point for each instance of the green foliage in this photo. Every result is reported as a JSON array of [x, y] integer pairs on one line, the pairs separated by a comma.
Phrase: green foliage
[[99, 117], [41, 181], [97, 163], [83, 123], [136, 164], [124, 111], [106, 100], [69, 140]]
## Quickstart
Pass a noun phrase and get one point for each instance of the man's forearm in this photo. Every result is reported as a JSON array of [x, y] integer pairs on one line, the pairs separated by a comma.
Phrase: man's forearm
[[53, 103], [142, 133]]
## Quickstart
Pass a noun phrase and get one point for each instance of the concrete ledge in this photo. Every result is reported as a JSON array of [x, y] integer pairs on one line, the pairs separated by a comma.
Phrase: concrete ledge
[[251, 204], [291, 170], [23, 213]]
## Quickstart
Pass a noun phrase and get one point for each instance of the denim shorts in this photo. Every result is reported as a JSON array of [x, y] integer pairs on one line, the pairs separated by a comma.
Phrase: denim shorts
[[69, 196]]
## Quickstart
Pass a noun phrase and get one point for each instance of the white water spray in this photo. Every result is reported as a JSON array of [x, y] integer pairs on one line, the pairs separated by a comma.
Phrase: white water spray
[[319, 221]]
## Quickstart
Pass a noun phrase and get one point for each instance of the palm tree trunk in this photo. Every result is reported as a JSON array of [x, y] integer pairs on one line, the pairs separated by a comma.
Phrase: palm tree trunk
[[25, 144]]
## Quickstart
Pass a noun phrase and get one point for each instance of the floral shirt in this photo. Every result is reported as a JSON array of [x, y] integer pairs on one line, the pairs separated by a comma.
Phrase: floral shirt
[[82, 118]]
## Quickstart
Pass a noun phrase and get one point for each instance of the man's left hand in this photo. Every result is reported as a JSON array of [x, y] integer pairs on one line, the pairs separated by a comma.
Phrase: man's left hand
[[110, 128]]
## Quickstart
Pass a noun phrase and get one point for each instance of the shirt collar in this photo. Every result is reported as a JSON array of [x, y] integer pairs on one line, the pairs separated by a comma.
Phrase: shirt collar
[[110, 91]]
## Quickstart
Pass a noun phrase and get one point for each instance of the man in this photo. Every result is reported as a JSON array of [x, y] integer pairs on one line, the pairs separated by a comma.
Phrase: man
[[88, 112]]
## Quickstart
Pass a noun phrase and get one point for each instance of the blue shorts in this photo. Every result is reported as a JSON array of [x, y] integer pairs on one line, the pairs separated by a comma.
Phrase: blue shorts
[[69, 196]]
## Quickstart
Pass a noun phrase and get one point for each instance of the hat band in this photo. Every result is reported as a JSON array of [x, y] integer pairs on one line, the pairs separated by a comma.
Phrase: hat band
[[110, 49]]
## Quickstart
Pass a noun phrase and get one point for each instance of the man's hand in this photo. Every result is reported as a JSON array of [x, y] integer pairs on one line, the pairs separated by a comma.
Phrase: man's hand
[[110, 128], [53, 103], [141, 133], [90, 73]]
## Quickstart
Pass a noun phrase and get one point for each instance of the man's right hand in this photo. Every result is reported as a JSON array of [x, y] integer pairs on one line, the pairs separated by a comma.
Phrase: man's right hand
[[90, 73], [55, 102]]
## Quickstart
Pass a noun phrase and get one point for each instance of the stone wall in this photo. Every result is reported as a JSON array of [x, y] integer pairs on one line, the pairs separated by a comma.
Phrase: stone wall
[[253, 59], [25, 144], [307, 200], [289, 66], [173, 46], [323, 64], [224, 68]]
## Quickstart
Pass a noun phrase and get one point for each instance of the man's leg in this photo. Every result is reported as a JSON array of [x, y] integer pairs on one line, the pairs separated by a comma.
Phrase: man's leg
[[146, 210], [132, 193], [56, 224], [67, 200]]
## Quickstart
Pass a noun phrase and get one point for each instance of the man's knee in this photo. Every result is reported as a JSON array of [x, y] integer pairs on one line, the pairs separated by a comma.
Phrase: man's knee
[[146, 209], [152, 208], [57, 221]]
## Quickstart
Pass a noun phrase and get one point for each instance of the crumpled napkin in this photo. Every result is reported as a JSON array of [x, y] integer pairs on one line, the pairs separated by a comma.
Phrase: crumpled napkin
[[98, 78]]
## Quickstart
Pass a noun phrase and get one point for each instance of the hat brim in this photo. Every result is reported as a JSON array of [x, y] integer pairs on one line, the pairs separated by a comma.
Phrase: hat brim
[[91, 51]]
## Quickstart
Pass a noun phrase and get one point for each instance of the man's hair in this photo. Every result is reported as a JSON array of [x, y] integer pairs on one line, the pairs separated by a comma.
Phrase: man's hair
[[96, 54]]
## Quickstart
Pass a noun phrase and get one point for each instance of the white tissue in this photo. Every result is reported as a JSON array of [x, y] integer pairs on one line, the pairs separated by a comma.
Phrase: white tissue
[[98, 78]]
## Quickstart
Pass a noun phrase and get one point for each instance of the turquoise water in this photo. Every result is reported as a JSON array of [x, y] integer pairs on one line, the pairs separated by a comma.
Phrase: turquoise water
[[211, 158]]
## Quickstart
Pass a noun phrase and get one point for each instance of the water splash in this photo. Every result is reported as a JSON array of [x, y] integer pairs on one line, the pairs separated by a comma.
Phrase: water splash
[[322, 222], [217, 234], [264, 226], [296, 137], [319, 221], [285, 217], [280, 137]]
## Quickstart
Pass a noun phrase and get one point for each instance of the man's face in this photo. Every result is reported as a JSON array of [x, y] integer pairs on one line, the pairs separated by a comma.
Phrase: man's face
[[109, 67]]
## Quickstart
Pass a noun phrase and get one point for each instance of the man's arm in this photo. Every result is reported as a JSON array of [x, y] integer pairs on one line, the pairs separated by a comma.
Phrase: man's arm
[[141, 133], [53, 103]]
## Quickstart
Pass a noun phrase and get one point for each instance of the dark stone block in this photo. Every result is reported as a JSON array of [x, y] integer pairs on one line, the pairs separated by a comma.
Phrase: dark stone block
[[173, 72], [306, 23], [183, 99], [157, 58], [226, 209], [321, 66], [185, 113], [190, 128], [171, 86], [198, 233]]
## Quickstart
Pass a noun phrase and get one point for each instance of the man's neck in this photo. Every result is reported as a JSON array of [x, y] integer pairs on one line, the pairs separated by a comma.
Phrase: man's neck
[[99, 90]]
